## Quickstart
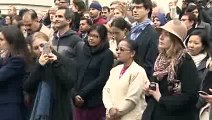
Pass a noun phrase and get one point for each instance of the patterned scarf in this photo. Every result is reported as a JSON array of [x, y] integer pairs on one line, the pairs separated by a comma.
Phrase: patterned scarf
[[164, 67], [137, 28]]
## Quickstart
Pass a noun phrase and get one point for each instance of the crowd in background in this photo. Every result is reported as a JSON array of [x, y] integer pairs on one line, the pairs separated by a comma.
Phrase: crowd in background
[[118, 62]]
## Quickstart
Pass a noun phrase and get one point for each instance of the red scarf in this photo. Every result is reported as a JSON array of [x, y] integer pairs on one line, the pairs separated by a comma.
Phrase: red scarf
[[123, 71]]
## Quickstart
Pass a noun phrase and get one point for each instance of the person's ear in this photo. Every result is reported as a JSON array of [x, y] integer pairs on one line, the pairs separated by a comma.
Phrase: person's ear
[[69, 20], [133, 53], [125, 30]]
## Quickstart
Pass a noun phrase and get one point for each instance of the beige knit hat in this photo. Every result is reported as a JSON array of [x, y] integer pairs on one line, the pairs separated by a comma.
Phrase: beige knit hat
[[175, 27]]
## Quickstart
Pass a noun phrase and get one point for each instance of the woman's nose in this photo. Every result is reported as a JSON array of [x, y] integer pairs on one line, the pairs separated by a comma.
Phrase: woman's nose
[[40, 49]]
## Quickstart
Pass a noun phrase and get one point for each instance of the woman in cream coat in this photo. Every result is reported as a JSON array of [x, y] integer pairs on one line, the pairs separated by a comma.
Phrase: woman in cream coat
[[123, 94]]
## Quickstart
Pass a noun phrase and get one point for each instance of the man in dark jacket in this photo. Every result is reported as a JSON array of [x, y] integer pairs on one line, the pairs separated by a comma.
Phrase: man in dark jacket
[[145, 35], [85, 25], [65, 41]]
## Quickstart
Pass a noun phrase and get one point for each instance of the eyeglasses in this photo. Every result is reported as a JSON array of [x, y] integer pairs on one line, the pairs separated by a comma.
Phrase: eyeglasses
[[62, 2], [93, 36], [121, 49]]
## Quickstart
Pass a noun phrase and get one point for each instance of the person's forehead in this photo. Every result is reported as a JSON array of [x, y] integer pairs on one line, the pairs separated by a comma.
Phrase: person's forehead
[[113, 5], [135, 4], [185, 16], [114, 28], [104, 10], [83, 21], [62, 0], [61, 11], [52, 11], [123, 44], [86, 14], [27, 19]]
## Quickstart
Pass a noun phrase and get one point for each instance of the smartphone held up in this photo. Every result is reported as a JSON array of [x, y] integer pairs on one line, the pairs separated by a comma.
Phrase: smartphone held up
[[46, 48]]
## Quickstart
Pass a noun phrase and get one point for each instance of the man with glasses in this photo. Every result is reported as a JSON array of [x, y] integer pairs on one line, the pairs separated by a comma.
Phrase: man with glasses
[[145, 35], [62, 3]]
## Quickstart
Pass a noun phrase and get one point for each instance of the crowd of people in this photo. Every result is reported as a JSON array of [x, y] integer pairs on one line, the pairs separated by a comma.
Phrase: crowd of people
[[118, 62]]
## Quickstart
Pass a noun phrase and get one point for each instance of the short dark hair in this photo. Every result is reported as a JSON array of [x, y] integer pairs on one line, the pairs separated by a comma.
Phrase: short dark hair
[[32, 13], [106, 8], [147, 5], [80, 4], [191, 17], [89, 21], [22, 11], [192, 7], [204, 38], [121, 23], [69, 14], [132, 45]]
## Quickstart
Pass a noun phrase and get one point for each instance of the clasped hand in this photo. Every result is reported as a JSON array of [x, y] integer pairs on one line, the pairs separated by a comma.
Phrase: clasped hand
[[113, 114], [79, 102], [207, 98]]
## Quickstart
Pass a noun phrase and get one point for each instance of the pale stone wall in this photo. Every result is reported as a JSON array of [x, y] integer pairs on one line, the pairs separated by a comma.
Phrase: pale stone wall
[[41, 5], [162, 3]]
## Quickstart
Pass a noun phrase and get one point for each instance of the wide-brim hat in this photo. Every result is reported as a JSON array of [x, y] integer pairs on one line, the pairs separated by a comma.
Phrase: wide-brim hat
[[175, 27]]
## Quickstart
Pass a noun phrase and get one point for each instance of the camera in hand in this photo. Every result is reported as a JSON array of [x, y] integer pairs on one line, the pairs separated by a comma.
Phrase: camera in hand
[[152, 86]]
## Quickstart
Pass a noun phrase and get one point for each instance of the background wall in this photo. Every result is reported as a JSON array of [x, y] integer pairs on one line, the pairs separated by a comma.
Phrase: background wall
[[43, 5]]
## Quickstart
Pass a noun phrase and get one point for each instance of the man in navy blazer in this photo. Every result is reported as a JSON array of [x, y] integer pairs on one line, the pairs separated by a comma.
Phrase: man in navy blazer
[[145, 35]]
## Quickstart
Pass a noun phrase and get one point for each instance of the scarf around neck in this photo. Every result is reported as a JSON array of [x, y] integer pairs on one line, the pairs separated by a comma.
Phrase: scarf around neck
[[164, 67], [198, 58], [137, 28], [42, 105]]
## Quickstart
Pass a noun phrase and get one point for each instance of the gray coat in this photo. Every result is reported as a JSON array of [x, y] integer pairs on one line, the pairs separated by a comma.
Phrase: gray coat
[[207, 27]]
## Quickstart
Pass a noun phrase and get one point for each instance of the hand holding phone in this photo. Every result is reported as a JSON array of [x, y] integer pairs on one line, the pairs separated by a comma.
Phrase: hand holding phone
[[203, 93], [46, 48], [152, 86]]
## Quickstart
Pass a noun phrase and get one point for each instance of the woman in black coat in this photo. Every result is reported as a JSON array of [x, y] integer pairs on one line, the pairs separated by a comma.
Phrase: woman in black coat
[[173, 93], [50, 81], [94, 64], [13, 63]]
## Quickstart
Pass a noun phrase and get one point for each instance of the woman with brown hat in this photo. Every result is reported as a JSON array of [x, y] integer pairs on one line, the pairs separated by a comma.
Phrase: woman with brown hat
[[172, 93]]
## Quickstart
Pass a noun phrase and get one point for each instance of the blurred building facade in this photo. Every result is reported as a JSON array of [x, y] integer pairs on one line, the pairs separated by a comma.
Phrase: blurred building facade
[[38, 5], [44, 5]]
